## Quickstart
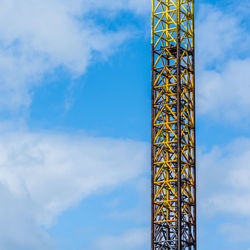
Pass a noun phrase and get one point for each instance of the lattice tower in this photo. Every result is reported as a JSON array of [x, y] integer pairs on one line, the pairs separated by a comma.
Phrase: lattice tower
[[173, 126]]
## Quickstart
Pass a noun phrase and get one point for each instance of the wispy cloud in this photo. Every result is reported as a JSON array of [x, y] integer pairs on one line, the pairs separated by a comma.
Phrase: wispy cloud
[[222, 64], [45, 174], [38, 37], [218, 33], [224, 184], [134, 239], [225, 93]]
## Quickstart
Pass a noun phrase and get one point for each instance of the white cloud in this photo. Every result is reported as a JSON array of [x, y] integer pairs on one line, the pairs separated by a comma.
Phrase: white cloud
[[223, 184], [42, 174], [134, 239], [38, 37], [19, 229], [223, 64], [238, 232], [226, 169], [225, 93], [218, 33]]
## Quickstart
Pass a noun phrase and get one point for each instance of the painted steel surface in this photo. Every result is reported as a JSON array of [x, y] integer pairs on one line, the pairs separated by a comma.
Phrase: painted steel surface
[[173, 126]]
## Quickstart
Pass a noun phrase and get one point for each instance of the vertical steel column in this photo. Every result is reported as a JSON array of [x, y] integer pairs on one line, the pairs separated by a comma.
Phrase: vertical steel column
[[173, 221], [178, 111]]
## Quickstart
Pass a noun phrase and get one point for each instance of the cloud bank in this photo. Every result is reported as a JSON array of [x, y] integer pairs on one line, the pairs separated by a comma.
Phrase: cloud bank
[[224, 187], [42, 175], [223, 61], [133, 239], [40, 37]]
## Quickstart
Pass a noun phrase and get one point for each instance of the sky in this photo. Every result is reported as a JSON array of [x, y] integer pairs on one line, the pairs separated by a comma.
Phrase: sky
[[75, 124]]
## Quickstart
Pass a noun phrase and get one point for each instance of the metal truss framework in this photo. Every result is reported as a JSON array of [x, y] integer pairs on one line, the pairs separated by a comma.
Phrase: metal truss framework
[[173, 126]]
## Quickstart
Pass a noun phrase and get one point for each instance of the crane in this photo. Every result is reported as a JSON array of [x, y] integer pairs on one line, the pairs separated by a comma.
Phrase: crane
[[173, 145]]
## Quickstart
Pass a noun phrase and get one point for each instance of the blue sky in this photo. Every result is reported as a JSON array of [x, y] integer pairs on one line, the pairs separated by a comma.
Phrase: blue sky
[[75, 124]]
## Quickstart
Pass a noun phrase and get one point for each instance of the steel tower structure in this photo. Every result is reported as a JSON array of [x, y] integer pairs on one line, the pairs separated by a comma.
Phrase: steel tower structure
[[173, 126]]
